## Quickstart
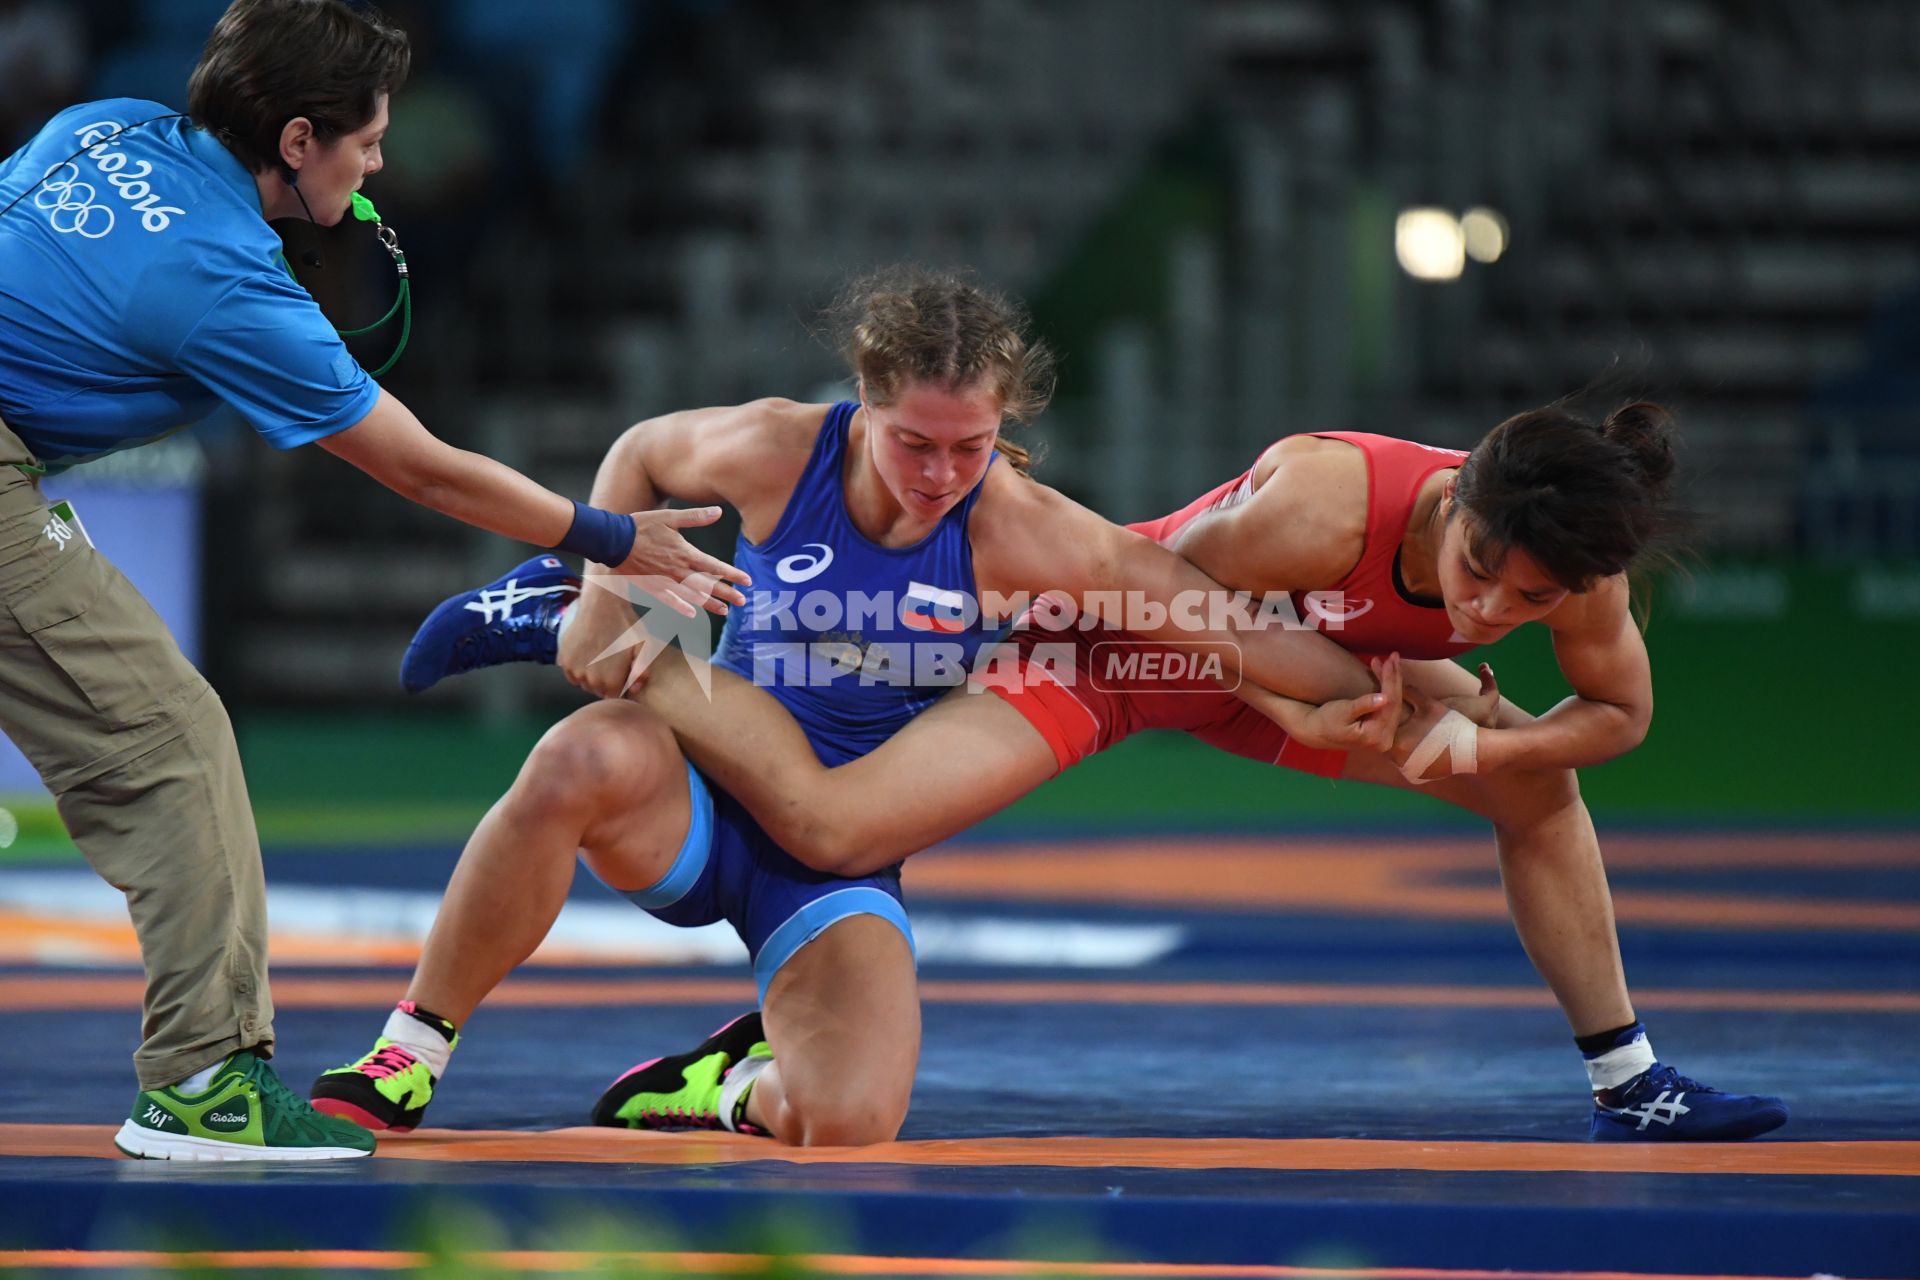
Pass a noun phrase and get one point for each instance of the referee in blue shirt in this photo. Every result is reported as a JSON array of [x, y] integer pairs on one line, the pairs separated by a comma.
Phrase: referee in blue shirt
[[140, 286]]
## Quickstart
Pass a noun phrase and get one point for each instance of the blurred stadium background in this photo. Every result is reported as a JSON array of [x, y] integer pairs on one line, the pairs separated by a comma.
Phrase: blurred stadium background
[[1234, 219], [613, 209]]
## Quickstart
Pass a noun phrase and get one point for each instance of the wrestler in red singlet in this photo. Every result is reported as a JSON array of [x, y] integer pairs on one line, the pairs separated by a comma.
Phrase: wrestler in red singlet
[[1368, 612]]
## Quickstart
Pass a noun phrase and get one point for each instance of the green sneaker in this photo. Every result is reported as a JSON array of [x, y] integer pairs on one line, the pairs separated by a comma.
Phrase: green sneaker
[[703, 1089], [389, 1088], [245, 1114]]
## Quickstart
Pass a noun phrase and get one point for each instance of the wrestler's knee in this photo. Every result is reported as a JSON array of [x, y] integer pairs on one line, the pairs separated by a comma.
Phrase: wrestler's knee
[[607, 751], [845, 1115], [1521, 798]]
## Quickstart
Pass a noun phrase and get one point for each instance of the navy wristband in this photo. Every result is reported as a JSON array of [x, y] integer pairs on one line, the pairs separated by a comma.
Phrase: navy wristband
[[604, 537]]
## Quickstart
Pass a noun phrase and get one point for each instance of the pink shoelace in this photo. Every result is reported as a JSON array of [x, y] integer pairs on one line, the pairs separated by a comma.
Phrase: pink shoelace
[[681, 1116], [388, 1061], [693, 1119]]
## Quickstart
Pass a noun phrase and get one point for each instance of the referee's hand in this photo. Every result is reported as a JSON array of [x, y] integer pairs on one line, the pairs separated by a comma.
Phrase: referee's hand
[[694, 580]]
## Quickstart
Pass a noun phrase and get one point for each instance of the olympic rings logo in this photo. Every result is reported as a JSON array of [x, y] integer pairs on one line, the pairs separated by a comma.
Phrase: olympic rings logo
[[80, 208], [69, 204]]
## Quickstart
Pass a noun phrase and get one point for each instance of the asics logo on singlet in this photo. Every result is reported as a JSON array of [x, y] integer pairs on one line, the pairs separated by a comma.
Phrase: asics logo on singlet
[[497, 606], [801, 567]]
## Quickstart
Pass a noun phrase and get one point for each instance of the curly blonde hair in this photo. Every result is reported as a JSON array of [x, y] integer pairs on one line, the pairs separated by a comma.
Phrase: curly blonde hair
[[907, 324]]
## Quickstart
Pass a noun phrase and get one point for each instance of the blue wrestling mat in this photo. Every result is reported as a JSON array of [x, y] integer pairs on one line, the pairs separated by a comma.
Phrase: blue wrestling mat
[[1226, 1056]]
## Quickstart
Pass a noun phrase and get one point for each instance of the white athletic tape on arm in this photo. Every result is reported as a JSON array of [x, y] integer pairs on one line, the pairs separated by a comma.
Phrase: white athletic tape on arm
[[1456, 736]]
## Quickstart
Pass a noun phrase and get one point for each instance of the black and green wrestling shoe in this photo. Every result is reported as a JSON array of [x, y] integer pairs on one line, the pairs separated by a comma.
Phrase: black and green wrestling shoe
[[706, 1088]]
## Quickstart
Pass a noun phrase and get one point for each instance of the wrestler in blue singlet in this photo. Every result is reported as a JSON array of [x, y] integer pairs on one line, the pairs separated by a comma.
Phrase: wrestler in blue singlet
[[854, 639]]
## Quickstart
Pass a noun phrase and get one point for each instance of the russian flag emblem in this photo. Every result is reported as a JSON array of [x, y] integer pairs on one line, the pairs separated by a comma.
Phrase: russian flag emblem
[[928, 608]]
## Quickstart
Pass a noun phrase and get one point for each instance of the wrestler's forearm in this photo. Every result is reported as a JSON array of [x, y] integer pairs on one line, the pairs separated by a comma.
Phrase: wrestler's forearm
[[1303, 666], [1576, 734], [1290, 714], [1190, 611]]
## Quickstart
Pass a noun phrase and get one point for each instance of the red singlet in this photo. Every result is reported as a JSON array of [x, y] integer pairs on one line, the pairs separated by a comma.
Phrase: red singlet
[[1086, 690]]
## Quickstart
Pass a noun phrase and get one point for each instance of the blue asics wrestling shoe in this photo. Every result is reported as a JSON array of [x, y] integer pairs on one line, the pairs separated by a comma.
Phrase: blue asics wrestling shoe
[[1661, 1105], [704, 1088], [514, 618]]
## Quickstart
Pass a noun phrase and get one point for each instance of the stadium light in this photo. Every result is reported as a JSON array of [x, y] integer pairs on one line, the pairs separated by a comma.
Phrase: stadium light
[[1485, 233], [1430, 244]]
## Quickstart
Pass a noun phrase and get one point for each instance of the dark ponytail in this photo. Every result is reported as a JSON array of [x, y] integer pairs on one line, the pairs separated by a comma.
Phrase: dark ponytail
[[1645, 432], [1584, 502]]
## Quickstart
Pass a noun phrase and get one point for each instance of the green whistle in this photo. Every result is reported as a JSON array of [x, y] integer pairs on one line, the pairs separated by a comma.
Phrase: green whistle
[[363, 208]]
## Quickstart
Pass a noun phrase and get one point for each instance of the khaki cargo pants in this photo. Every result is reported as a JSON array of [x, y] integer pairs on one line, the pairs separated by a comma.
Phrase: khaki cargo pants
[[140, 755]]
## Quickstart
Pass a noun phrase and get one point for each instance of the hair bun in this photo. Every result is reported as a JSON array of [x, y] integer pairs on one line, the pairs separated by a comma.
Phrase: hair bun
[[1645, 431]]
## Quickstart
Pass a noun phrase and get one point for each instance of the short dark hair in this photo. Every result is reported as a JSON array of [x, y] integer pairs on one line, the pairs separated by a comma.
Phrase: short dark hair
[[270, 61], [1585, 501]]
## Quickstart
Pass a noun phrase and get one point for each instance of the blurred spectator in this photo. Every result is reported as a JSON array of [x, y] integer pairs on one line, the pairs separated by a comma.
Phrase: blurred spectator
[[444, 194], [561, 63], [159, 51], [43, 55]]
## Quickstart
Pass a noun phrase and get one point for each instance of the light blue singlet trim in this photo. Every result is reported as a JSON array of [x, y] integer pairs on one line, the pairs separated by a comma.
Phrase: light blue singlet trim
[[693, 855], [810, 921]]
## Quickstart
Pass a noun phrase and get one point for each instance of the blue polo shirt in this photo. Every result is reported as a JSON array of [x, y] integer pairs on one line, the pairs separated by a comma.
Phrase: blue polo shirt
[[140, 287]]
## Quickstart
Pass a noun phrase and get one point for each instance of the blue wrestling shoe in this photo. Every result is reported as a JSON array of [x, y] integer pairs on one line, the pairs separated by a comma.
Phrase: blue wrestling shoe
[[1661, 1105], [514, 618]]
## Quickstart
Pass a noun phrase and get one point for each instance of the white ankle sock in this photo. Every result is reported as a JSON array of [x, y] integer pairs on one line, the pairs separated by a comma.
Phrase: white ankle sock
[[421, 1040], [738, 1081], [199, 1080]]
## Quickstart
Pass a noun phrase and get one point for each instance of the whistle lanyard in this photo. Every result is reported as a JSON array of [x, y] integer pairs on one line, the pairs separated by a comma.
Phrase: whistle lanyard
[[363, 211]]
